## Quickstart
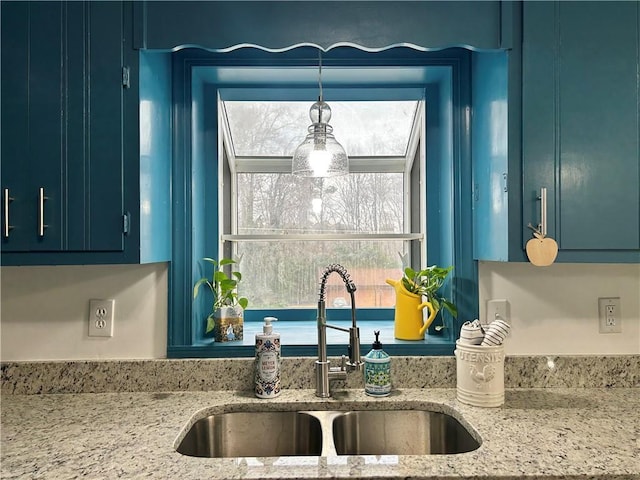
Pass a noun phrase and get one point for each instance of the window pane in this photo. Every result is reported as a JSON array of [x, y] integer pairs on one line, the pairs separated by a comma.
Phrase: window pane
[[287, 274], [263, 129], [266, 128], [287, 204]]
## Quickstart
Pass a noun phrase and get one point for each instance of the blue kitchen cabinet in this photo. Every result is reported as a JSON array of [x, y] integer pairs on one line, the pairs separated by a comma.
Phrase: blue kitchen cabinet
[[580, 131], [62, 126], [560, 111], [71, 189]]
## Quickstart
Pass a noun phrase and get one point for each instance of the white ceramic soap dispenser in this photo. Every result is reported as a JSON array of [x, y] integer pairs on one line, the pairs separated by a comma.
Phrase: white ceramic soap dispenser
[[267, 376]]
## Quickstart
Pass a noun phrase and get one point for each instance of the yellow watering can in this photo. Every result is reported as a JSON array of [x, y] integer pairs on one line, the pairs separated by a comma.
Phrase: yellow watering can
[[408, 321]]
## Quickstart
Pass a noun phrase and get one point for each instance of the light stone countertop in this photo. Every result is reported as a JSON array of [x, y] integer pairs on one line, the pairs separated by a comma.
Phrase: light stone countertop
[[551, 433]]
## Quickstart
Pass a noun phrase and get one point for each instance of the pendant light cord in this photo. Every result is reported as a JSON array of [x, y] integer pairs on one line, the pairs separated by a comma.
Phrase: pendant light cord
[[320, 72]]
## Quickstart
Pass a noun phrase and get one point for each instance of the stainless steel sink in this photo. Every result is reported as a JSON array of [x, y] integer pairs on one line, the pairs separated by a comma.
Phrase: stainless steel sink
[[400, 432], [326, 433], [253, 434]]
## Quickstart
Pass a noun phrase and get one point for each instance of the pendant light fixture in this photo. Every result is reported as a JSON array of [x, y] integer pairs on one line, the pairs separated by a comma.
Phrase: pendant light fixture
[[320, 155]]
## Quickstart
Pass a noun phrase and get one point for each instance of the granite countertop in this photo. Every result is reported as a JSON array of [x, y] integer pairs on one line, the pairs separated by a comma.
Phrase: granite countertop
[[550, 433]]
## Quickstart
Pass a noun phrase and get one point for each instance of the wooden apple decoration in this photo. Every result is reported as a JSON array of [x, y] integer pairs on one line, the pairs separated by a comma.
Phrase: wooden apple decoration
[[541, 250]]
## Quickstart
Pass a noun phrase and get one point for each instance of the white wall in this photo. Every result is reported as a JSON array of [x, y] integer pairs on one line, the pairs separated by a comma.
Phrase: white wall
[[44, 312], [553, 309]]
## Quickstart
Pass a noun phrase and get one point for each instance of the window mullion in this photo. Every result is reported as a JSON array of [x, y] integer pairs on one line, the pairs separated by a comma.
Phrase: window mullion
[[275, 164], [322, 236]]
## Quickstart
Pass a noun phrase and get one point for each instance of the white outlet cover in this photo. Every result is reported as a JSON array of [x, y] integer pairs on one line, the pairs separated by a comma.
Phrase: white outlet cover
[[101, 314], [497, 309], [605, 304]]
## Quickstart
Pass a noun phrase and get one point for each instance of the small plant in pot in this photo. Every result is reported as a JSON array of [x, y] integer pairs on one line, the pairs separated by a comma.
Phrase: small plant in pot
[[226, 317], [427, 282]]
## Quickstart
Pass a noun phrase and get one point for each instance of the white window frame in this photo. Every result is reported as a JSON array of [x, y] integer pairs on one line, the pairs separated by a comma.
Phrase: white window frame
[[227, 196]]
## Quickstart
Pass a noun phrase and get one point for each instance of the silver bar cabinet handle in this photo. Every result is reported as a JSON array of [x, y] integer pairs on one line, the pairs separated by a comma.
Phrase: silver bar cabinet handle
[[41, 224], [6, 199], [542, 227]]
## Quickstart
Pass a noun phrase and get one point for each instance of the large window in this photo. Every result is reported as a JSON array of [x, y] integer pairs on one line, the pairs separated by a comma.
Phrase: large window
[[285, 229], [403, 117]]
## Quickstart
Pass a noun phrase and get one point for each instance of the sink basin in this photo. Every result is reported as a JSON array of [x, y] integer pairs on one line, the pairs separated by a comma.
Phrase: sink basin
[[400, 432], [326, 433], [253, 434]]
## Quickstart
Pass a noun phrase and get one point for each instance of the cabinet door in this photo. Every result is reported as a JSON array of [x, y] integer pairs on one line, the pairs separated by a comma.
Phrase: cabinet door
[[46, 113], [18, 219], [95, 126], [32, 125], [580, 125], [106, 203]]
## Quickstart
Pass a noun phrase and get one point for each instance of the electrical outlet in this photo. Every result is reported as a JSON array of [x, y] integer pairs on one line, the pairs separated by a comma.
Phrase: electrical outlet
[[497, 309], [609, 314], [101, 318]]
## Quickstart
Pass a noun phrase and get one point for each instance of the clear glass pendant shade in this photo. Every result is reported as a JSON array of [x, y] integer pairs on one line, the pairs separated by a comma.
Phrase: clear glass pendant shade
[[320, 155]]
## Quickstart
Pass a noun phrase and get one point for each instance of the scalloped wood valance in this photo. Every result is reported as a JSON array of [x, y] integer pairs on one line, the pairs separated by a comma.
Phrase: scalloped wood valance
[[281, 25]]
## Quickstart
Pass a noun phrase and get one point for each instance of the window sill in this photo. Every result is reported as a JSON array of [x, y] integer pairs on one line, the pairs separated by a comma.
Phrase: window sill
[[337, 341]]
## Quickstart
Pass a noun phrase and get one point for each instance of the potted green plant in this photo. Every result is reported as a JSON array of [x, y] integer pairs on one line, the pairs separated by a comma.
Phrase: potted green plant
[[227, 313], [427, 283]]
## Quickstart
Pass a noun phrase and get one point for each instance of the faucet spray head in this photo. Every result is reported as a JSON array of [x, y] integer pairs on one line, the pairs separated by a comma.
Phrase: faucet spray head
[[340, 270]]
